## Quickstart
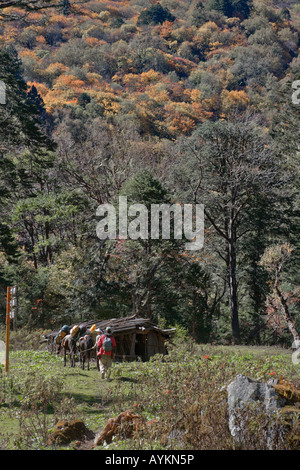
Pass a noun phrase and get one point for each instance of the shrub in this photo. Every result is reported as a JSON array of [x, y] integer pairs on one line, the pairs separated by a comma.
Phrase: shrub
[[21, 339], [232, 8], [155, 15], [28, 38]]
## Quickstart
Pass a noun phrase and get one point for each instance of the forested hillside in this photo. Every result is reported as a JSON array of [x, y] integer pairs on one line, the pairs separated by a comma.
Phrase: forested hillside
[[173, 101]]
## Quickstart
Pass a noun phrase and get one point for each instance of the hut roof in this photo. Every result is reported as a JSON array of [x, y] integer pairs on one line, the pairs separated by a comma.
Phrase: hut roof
[[122, 326]]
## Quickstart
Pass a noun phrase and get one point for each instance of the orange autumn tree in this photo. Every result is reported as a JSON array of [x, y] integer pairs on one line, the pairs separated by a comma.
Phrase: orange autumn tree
[[234, 100], [66, 89]]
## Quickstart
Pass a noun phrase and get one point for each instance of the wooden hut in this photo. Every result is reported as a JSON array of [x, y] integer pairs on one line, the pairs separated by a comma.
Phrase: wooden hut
[[136, 337]]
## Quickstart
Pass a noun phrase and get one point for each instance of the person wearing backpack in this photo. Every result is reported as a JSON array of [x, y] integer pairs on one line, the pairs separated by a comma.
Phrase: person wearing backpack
[[106, 352]]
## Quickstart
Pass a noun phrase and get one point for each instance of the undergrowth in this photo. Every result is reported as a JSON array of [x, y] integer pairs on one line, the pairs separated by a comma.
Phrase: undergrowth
[[182, 397]]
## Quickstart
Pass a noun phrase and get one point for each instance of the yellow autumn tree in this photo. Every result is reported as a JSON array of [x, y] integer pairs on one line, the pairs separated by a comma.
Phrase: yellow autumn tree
[[234, 100]]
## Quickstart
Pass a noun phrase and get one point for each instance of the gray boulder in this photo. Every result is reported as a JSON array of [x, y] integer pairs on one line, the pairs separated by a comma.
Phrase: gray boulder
[[245, 394]]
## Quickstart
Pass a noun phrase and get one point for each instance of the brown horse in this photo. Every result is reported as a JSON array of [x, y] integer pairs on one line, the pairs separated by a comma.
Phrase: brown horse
[[86, 345], [69, 346]]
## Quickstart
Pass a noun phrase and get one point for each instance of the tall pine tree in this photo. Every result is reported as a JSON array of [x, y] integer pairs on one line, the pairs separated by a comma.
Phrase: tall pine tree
[[21, 131]]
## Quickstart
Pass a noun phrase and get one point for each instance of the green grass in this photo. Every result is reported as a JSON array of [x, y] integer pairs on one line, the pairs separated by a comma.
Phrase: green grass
[[185, 385]]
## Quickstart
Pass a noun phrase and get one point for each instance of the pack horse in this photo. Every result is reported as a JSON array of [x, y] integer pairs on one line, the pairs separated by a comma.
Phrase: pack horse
[[86, 345], [69, 347]]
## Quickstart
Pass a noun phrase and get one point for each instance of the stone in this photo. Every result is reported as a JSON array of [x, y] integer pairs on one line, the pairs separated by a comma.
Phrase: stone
[[244, 392]]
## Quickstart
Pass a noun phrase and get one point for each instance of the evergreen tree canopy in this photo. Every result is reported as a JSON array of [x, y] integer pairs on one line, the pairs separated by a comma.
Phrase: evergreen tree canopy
[[232, 8], [20, 118], [156, 14], [24, 144]]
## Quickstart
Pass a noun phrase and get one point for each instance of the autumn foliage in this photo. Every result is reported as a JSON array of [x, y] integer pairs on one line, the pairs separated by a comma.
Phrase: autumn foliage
[[197, 94]]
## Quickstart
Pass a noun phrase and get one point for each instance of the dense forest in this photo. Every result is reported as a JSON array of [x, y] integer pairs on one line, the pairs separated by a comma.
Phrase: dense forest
[[174, 101]]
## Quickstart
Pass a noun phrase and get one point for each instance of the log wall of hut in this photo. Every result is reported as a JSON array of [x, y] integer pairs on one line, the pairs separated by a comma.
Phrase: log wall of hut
[[141, 345], [126, 346]]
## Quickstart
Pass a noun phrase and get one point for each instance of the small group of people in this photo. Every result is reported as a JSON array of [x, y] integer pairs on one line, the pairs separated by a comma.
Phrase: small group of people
[[104, 343]]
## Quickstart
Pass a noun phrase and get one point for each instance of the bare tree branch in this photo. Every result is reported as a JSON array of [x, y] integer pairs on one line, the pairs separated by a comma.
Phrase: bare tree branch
[[29, 6]]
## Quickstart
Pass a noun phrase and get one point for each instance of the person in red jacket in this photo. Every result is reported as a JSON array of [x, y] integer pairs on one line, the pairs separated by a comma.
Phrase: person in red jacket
[[106, 352]]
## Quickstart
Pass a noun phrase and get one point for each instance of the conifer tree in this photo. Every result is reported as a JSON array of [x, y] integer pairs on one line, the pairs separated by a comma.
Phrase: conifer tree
[[24, 144], [235, 167], [232, 8], [20, 119]]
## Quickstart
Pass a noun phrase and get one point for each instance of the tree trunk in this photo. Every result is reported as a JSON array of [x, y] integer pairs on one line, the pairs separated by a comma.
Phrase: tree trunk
[[232, 283], [287, 316]]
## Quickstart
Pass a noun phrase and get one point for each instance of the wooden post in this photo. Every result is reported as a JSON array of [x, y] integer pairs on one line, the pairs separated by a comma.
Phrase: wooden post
[[8, 298], [132, 346], [160, 349]]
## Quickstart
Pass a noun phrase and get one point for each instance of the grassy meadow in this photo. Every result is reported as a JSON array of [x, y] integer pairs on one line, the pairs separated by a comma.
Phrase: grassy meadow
[[183, 394]]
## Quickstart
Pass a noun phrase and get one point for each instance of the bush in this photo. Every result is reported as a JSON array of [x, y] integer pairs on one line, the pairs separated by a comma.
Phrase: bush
[[28, 38], [22, 339], [232, 8], [53, 35], [155, 15]]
